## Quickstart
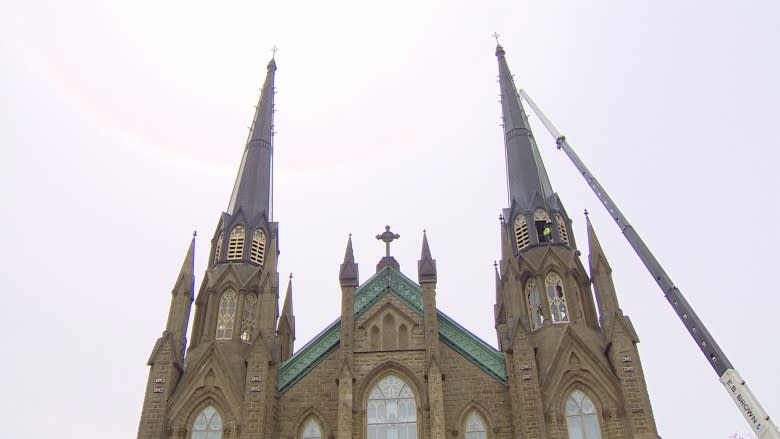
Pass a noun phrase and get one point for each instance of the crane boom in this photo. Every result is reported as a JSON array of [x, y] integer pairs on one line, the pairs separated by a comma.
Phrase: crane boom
[[738, 390]]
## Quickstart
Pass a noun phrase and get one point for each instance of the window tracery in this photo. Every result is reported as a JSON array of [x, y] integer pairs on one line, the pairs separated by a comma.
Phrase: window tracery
[[475, 427], [207, 425], [392, 410], [311, 430], [257, 254], [226, 316], [249, 318], [236, 243], [581, 418], [556, 298], [534, 301]]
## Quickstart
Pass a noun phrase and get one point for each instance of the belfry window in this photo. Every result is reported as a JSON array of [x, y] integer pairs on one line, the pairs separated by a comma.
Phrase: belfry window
[[557, 299], [475, 426], [257, 254], [311, 430], [208, 425], [218, 247], [236, 243], [249, 318], [521, 232], [534, 301], [392, 410], [226, 317], [543, 226], [581, 418], [562, 228]]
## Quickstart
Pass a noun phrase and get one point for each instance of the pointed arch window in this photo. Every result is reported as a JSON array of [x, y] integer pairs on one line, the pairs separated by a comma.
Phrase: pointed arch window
[[236, 243], [257, 254], [207, 425], [559, 312], [562, 228], [392, 410], [475, 427], [534, 301], [249, 318], [543, 225], [226, 317], [311, 430], [218, 247], [581, 418], [521, 232]]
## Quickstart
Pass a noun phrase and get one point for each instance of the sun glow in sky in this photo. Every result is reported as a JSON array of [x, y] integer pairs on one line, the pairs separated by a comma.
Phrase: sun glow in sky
[[123, 125]]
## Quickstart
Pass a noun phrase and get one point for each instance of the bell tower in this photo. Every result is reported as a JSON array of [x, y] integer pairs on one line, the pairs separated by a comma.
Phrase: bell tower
[[227, 381], [557, 351]]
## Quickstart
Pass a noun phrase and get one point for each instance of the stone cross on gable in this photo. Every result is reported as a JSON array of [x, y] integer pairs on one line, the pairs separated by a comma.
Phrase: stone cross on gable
[[387, 237]]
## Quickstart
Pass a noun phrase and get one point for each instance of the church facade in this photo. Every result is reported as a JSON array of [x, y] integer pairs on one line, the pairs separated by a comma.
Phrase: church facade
[[392, 365]]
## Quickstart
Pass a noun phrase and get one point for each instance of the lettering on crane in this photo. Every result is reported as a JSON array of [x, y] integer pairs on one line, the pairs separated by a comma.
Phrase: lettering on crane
[[743, 404]]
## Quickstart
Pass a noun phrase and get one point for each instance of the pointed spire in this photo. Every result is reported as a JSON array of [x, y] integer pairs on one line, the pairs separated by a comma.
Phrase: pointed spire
[[288, 303], [595, 253], [348, 273], [525, 171], [186, 280], [252, 190], [426, 266]]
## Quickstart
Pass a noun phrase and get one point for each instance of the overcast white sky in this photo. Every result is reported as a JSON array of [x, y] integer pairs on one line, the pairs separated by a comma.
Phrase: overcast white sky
[[123, 125]]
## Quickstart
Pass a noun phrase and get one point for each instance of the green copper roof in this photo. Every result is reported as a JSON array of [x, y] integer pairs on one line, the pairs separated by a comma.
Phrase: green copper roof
[[389, 281]]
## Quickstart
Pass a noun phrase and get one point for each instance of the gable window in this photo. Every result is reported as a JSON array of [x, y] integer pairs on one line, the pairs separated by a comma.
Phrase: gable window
[[257, 254], [534, 301], [562, 228], [521, 232], [581, 418], [475, 426], [543, 226], [218, 248], [227, 315], [392, 410], [236, 243], [555, 296], [249, 318], [208, 425], [311, 430]]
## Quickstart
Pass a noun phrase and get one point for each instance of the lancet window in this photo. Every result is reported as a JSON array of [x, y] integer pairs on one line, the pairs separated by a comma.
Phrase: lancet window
[[257, 254], [218, 248], [207, 425], [562, 228], [226, 317], [249, 318], [559, 312], [392, 410], [543, 225], [581, 418], [311, 430], [236, 243], [521, 232], [475, 427], [534, 301]]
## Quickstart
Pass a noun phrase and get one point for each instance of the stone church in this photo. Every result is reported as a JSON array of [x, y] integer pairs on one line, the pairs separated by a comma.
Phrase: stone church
[[392, 365]]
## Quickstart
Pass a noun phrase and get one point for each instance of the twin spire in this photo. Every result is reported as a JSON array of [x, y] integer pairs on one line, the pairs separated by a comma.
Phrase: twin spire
[[526, 175], [252, 191]]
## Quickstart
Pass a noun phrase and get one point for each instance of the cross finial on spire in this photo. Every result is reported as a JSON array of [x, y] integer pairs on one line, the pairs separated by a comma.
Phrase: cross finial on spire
[[497, 36], [387, 237], [194, 233], [290, 275], [273, 51], [586, 212]]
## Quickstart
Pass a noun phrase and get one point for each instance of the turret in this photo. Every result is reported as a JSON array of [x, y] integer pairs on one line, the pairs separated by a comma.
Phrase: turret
[[182, 296], [286, 327]]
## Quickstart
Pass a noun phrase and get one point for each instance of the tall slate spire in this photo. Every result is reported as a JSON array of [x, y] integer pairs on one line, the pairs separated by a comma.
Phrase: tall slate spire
[[252, 191], [525, 171]]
